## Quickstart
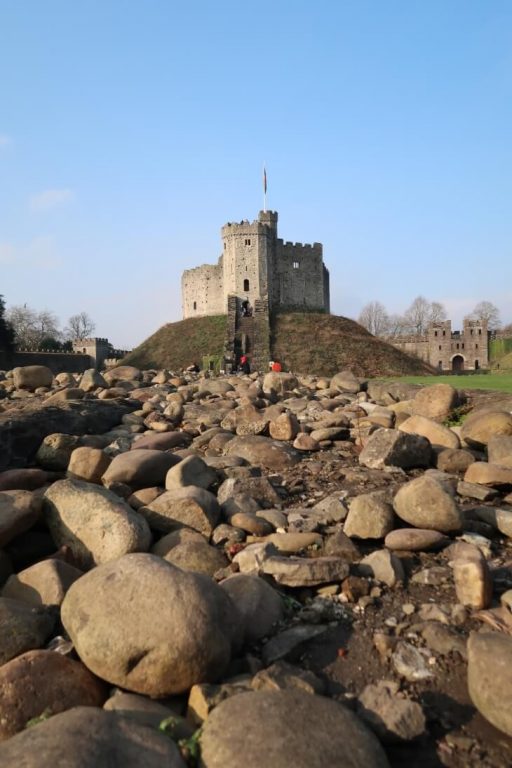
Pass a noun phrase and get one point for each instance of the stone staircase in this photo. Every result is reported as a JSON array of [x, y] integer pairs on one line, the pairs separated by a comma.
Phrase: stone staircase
[[248, 335]]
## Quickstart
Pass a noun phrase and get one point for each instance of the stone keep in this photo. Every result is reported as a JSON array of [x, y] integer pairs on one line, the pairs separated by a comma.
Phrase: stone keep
[[256, 264]]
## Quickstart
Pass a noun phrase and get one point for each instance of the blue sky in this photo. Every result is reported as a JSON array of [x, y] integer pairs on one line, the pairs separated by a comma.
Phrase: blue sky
[[130, 132]]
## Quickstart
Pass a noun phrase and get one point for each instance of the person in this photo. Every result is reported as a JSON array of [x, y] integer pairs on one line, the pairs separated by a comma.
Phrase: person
[[276, 366], [244, 364]]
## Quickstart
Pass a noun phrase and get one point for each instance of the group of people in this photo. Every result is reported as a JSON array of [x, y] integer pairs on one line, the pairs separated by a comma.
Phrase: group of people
[[245, 367]]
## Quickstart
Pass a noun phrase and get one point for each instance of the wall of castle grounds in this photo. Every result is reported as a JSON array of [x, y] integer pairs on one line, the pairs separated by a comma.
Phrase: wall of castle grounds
[[57, 362], [413, 346]]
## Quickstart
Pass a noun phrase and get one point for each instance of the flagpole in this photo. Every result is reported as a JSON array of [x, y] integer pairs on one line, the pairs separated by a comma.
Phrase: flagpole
[[264, 189]]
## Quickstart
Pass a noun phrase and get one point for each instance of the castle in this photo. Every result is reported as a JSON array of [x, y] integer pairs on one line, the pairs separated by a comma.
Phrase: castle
[[447, 350], [256, 265]]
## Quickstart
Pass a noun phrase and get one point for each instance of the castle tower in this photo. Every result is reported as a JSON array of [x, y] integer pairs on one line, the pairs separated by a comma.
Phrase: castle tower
[[247, 253]]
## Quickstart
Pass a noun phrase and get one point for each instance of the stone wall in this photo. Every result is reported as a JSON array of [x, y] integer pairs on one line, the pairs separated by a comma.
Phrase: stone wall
[[447, 350], [202, 291], [298, 277], [57, 362]]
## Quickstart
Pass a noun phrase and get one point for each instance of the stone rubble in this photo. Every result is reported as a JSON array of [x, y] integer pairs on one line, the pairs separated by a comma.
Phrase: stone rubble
[[294, 563]]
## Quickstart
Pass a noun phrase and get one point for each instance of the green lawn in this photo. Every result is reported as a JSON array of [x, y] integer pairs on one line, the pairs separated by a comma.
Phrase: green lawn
[[501, 382]]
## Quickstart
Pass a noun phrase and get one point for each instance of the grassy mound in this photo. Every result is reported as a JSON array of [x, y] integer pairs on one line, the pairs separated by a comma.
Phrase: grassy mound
[[303, 342], [324, 344], [178, 345]]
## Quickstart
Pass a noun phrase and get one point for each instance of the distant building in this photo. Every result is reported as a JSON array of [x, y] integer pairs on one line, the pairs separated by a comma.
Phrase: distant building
[[256, 265], [447, 350]]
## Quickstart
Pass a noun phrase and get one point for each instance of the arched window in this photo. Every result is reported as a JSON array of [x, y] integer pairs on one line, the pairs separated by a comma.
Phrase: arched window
[[246, 285]]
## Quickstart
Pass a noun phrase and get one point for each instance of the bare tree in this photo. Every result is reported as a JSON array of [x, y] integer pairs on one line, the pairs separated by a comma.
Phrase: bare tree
[[32, 328], [374, 318], [79, 326], [486, 310], [423, 312], [397, 325]]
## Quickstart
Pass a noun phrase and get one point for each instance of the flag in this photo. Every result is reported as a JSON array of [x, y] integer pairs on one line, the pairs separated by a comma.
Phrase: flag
[[264, 180]]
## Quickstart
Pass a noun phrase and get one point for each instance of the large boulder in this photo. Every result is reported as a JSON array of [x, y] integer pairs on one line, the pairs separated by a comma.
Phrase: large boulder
[[287, 728], [44, 583], [190, 506], [19, 510], [22, 628], [263, 452], [279, 383], [424, 503], [390, 447], [32, 376], [88, 737], [55, 451], [145, 625], [190, 471], [44, 681], [346, 381], [140, 468], [260, 606], [481, 427], [122, 373], [437, 434], [370, 516], [490, 677], [91, 379], [88, 464], [95, 523], [435, 402]]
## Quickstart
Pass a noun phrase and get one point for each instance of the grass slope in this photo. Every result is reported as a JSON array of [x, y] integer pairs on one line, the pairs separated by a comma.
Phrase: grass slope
[[324, 344], [499, 382], [303, 342], [177, 345]]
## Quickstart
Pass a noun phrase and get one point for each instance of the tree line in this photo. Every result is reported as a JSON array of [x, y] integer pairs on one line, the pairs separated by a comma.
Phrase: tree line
[[22, 327], [419, 315]]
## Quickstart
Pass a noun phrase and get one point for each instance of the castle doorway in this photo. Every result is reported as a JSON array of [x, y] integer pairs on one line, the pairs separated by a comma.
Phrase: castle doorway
[[458, 363]]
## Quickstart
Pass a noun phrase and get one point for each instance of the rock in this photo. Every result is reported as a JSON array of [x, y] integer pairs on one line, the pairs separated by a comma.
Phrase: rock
[[22, 479], [287, 728], [283, 676], [149, 627], [415, 539], [346, 381], [251, 523], [304, 442], [393, 717], [148, 712], [171, 540], [19, 510], [499, 451], [453, 460], [22, 628], [424, 503], [88, 464], [339, 545], [190, 471], [122, 373], [95, 523], [197, 556], [500, 519], [481, 427], [290, 640], [305, 572], [490, 677], [435, 402], [161, 442], [293, 543], [32, 376], [383, 566], [285, 427], [44, 583], [64, 395], [370, 516], [55, 451], [91, 379], [262, 451], [143, 497], [476, 491], [251, 558], [190, 506], [390, 447], [331, 509], [330, 433], [488, 474], [279, 383], [22, 429], [473, 580], [43, 681], [260, 607], [140, 468], [443, 640], [410, 662], [84, 737], [437, 434], [203, 698], [259, 488]]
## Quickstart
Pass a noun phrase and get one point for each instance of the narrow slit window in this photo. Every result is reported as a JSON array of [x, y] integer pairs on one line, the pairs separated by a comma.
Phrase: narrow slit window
[[296, 265], [195, 304], [247, 241], [246, 285]]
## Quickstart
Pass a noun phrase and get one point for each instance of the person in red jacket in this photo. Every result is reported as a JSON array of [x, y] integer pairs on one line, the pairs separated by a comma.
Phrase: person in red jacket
[[244, 364], [276, 366]]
